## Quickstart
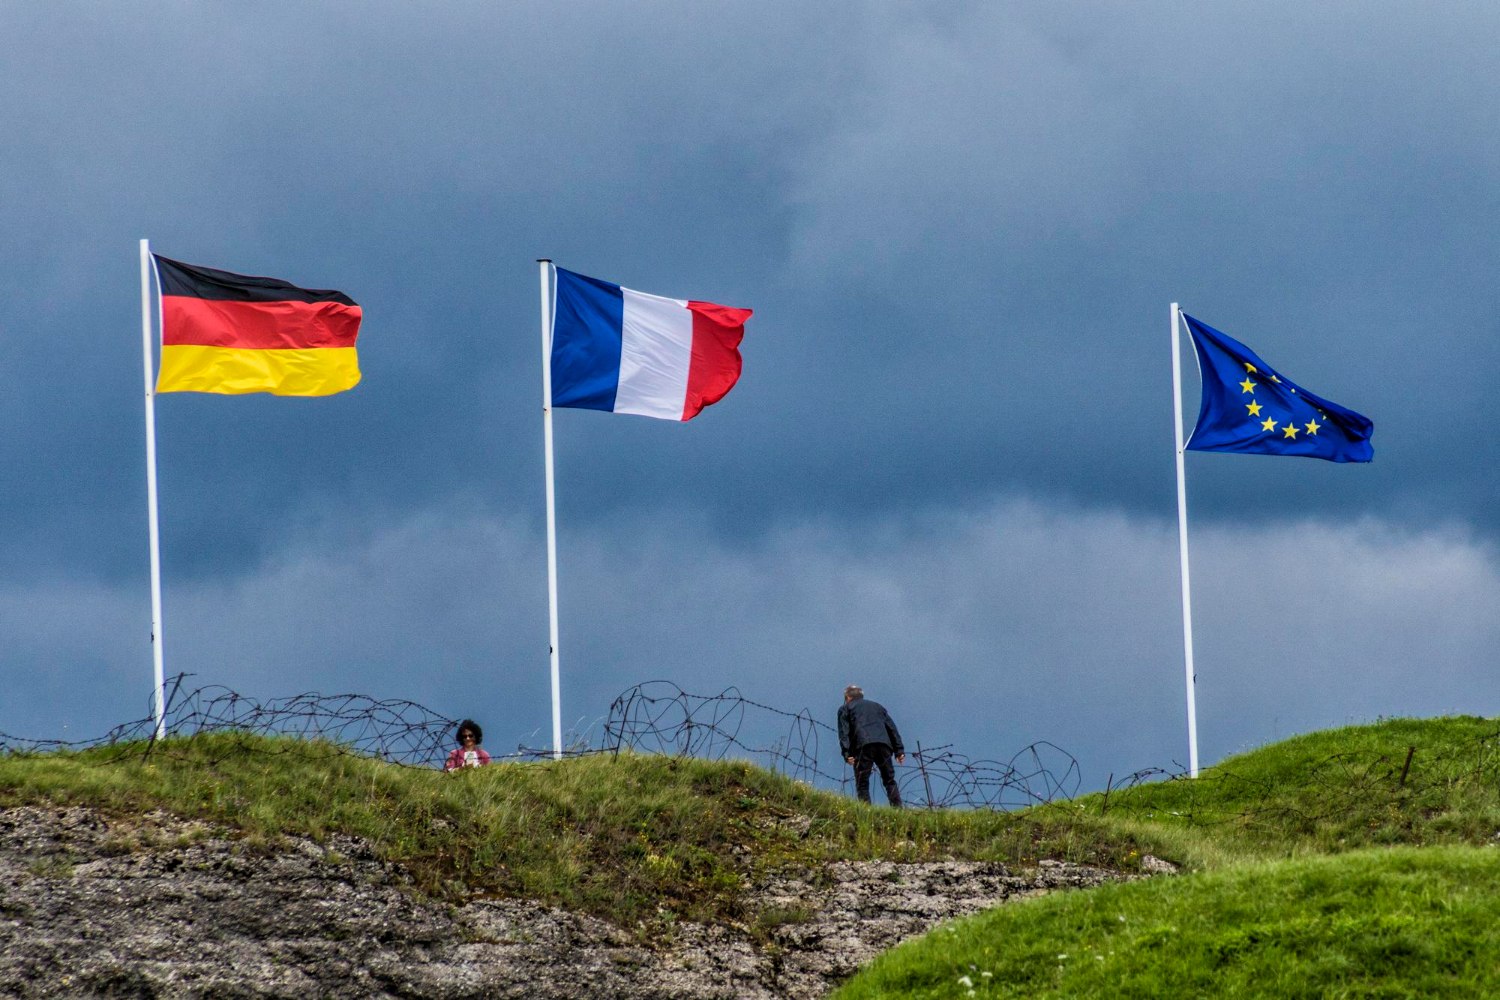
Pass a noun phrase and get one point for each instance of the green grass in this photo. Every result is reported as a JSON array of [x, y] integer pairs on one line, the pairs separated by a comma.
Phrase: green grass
[[1393, 922], [1403, 781], [1346, 863], [1353, 862], [640, 840]]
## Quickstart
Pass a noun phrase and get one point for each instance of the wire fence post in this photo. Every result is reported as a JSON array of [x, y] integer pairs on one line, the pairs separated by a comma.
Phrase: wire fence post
[[926, 782]]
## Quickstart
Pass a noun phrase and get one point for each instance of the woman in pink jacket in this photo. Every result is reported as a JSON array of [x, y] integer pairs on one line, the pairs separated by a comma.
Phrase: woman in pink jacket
[[468, 753]]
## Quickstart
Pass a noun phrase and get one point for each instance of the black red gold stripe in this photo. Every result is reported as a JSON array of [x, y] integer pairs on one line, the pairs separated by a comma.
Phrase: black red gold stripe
[[233, 333]]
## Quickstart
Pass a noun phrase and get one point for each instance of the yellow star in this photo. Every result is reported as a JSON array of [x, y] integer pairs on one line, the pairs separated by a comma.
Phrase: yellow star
[[1312, 428], [1247, 386], [1250, 368], [1268, 424], [1290, 430], [1254, 408], [1277, 380]]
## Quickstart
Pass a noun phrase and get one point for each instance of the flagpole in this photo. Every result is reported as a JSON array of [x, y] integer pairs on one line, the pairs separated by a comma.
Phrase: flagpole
[[1182, 541], [159, 704], [545, 273]]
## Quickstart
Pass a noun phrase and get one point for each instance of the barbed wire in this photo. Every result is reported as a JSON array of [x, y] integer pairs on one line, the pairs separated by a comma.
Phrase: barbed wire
[[400, 732], [656, 717], [660, 717]]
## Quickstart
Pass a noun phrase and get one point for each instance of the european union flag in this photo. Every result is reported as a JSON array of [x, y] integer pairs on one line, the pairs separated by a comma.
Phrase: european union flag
[[1250, 409]]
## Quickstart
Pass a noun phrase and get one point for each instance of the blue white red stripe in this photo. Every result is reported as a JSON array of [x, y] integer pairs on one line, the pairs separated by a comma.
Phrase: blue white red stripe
[[625, 351]]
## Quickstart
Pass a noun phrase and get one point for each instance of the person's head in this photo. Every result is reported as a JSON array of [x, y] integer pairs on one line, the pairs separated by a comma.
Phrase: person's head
[[469, 733], [853, 691]]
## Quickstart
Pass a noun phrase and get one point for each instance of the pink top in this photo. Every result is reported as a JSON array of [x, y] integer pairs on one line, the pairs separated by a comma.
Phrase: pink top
[[466, 758]]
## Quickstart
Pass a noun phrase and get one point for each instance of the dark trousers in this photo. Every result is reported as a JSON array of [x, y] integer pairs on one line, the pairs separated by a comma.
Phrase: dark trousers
[[870, 756]]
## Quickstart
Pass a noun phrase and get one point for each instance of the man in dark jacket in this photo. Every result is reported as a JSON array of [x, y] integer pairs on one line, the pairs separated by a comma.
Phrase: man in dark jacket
[[868, 739]]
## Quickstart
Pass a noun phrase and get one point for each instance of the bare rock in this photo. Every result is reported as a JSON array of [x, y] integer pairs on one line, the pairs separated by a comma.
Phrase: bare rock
[[1152, 865], [157, 907]]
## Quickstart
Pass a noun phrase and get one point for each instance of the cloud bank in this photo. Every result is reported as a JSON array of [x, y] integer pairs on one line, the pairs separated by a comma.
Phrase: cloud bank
[[985, 629]]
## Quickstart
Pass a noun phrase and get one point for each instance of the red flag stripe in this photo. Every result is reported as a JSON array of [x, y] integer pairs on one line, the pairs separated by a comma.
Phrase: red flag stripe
[[285, 325], [716, 364]]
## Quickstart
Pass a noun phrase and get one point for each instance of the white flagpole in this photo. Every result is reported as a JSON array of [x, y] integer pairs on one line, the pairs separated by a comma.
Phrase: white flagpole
[[160, 702], [545, 266], [1182, 540]]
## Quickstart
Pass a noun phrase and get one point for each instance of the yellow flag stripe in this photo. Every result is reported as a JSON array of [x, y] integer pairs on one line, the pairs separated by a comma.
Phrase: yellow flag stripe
[[235, 370]]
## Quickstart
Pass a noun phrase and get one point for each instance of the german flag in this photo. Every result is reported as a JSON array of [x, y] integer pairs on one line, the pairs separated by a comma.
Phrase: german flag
[[233, 333]]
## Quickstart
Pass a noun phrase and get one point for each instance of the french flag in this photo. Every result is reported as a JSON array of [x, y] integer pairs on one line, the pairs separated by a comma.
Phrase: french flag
[[625, 351]]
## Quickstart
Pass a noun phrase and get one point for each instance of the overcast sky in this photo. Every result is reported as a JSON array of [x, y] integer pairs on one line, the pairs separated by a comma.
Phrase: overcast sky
[[947, 472]]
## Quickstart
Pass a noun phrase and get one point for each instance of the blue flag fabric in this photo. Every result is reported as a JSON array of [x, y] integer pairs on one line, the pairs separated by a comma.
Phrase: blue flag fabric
[[1251, 409]]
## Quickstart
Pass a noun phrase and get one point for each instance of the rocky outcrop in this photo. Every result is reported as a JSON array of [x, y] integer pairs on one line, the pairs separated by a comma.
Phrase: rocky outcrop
[[158, 907]]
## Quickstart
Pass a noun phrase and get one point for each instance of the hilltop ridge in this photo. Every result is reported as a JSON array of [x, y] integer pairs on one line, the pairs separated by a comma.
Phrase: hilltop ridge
[[235, 865], [227, 864]]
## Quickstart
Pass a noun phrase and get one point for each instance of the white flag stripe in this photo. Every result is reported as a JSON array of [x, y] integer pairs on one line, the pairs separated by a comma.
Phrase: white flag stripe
[[655, 353]]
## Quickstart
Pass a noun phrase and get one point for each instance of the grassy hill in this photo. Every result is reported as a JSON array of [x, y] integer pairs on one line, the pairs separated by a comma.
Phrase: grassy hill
[[1356, 862], [1350, 862], [634, 839], [1387, 922]]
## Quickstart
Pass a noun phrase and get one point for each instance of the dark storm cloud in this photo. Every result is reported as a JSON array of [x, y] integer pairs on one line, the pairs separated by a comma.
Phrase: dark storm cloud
[[1310, 178], [420, 163], [960, 231]]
